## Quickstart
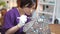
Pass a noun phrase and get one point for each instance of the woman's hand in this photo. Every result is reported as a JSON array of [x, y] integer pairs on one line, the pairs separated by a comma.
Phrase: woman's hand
[[22, 20]]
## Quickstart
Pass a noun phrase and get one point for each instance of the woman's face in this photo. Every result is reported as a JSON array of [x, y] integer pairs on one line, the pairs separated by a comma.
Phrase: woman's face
[[28, 11]]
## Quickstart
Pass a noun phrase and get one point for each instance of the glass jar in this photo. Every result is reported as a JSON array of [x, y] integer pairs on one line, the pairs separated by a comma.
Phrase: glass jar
[[38, 28]]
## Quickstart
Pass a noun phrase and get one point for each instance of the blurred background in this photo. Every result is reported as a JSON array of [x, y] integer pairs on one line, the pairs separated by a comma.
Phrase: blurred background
[[48, 10]]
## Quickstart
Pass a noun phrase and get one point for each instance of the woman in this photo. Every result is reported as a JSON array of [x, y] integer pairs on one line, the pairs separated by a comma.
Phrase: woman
[[12, 25]]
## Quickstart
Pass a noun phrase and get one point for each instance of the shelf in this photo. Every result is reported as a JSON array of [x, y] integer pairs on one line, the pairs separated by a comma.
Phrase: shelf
[[47, 13], [46, 3], [47, 7]]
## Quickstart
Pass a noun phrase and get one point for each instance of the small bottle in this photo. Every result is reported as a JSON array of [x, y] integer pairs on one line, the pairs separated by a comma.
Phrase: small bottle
[[56, 21]]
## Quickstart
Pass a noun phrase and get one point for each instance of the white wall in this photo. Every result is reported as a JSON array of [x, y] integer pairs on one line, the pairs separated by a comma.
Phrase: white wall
[[58, 10], [12, 3]]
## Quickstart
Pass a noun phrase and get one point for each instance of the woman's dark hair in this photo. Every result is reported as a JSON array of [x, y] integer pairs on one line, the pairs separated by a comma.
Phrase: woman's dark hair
[[27, 3]]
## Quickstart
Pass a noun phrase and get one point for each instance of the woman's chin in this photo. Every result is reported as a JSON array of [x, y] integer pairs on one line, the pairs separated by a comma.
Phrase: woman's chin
[[28, 13]]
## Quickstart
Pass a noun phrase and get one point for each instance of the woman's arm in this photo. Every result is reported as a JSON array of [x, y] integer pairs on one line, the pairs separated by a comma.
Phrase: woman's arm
[[22, 20], [12, 30]]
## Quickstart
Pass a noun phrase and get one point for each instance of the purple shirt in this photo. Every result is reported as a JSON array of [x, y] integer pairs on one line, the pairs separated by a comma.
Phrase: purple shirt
[[10, 20]]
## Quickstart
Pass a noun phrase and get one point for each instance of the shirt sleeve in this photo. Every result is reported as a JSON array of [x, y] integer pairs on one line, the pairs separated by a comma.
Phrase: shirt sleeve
[[8, 21]]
